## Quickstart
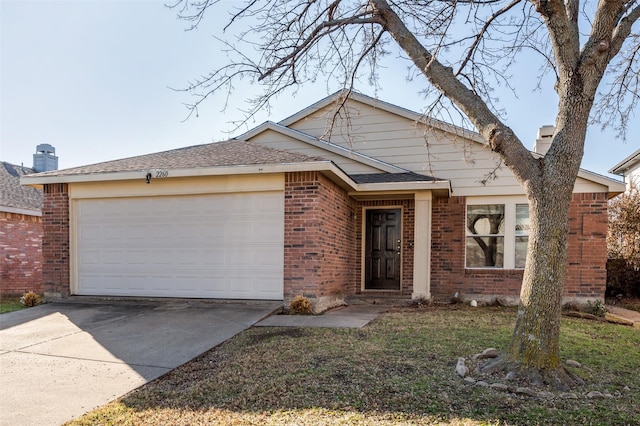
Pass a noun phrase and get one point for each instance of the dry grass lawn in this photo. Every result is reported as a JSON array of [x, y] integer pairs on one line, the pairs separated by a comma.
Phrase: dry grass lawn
[[10, 304], [398, 370]]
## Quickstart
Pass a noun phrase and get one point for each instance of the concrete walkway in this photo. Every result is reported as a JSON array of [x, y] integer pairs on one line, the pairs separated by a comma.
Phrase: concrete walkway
[[359, 315], [352, 316], [632, 317], [61, 360]]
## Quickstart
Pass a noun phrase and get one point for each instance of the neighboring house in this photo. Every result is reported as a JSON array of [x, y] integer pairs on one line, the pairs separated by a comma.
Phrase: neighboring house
[[21, 226], [629, 168], [370, 200]]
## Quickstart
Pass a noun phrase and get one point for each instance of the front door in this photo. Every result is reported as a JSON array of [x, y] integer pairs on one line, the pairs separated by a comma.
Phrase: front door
[[382, 249]]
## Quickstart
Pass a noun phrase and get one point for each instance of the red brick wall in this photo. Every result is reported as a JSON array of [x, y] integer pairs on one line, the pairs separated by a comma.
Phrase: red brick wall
[[587, 257], [55, 242], [408, 221], [323, 240], [21, 248], [586, 263], [319, 240]]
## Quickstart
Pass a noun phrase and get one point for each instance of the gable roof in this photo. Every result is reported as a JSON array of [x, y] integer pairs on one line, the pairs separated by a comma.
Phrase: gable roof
[[237, 156], [629, 163], [222, 158], [218, 158], [217, 154], [15, 198], [613, 186]]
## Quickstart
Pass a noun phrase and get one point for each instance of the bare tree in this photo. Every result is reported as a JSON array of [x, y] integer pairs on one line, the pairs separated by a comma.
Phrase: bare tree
[[623, 239], [463, 49], [623, 242]]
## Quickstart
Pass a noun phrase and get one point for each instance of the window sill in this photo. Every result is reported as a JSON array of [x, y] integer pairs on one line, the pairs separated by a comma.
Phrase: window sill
[[493, 271]]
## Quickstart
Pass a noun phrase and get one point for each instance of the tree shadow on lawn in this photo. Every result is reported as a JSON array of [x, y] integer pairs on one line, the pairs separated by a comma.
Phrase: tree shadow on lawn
[[398, 369]]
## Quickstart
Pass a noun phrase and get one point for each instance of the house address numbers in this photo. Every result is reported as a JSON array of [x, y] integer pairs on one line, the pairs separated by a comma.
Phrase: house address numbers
[[162, 173]]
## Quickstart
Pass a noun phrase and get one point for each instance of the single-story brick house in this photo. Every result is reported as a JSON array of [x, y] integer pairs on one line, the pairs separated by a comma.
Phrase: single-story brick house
[[372, 199], [21, 225], [20, 233]]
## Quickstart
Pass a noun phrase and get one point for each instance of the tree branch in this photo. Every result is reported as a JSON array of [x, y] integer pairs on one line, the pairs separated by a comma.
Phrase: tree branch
[[315, 35], [499, 137], [482, 32], [623, 29], [563, 33]]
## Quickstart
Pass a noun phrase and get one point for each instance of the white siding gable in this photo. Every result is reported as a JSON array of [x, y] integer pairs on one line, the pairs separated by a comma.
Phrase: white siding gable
[[273, 139], [399, 137], [414, 146]]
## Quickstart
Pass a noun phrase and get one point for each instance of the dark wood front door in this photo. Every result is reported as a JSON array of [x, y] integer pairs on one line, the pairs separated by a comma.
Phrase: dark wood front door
[[382, 249]]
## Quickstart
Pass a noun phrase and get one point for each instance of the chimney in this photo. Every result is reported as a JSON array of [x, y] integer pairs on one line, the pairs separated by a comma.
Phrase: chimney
[[44, 159], [543, 142]]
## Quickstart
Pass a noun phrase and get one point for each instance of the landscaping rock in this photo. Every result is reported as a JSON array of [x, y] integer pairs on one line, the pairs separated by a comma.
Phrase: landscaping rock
[[487, 353], [470, 380], [499, 386], [572, 363], [595, 395], [482, 383], [546, 395], [568, 395], [461, 369], [526, 391]]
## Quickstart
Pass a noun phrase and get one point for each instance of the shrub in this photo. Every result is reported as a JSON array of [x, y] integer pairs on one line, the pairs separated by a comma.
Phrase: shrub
[[30, 299], [623, 243], [623, 278], [596, 308], [301, 305]]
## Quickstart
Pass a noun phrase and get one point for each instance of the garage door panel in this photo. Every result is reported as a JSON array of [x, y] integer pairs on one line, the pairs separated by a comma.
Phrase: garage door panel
[[137, 232], [213, 257], [111, 282], [213, 246], [89, 257]]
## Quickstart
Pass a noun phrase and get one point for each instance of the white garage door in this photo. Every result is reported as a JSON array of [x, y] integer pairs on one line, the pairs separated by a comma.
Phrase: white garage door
[[200, 246]]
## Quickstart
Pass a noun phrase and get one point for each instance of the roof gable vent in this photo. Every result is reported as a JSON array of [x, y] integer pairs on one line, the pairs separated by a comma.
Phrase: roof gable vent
[[44, 159]]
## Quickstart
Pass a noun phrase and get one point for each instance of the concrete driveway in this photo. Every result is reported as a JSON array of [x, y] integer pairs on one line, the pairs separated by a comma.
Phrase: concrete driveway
[[61, 360]]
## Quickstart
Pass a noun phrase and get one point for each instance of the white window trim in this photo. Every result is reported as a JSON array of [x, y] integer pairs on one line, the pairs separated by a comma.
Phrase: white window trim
[[509, 238]]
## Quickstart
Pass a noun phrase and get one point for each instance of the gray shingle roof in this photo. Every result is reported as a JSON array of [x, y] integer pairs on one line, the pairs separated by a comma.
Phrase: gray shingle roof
[[218, 154], [391, 177], [14, 195]]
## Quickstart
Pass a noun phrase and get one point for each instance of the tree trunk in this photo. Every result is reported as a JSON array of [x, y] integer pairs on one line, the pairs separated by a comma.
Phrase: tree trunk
[[534, 350], [535, 341]]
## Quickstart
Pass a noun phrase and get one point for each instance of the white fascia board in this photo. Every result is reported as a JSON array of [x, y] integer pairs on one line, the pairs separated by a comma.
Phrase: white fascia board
[[622, 167], [325, 165], [320, 166], [385, 106], [26, 212], [322, 144], [613, 186]]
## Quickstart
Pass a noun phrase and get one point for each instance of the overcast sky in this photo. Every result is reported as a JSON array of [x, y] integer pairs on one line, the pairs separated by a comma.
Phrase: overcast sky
[[92, 79]]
